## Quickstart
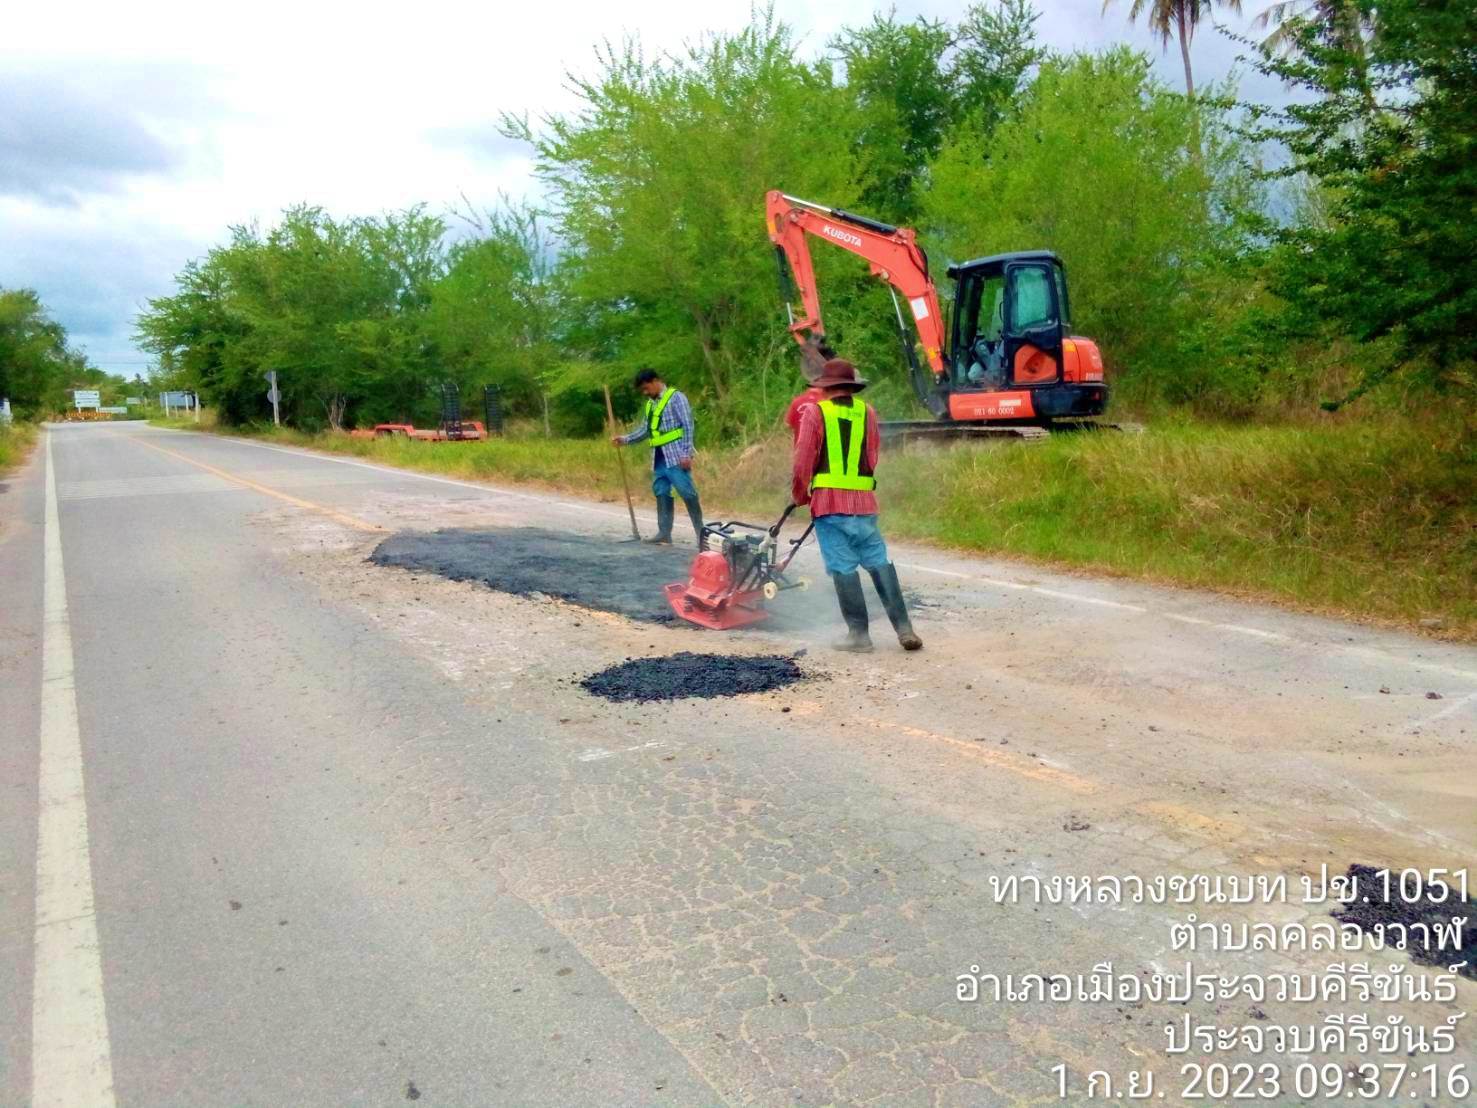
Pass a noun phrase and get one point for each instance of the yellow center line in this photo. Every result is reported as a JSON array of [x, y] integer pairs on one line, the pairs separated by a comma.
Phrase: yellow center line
[[1000, 759], [297, 501]]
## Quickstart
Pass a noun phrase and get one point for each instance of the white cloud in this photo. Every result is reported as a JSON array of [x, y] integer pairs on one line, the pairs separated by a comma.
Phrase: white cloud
[[161, 122]]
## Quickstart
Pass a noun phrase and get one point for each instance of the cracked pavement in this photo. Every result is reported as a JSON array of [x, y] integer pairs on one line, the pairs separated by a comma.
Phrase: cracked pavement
[[456, 872]]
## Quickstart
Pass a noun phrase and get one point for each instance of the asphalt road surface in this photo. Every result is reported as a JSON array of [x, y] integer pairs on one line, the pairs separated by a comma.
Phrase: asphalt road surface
[[281, 827]]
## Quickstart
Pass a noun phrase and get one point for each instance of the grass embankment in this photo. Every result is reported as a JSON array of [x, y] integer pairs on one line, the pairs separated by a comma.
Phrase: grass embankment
[[1369, 520], [15, 443]]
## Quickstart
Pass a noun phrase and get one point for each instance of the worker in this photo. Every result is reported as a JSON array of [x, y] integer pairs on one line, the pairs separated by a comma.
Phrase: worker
[[668, 425], [814, 354], [834, 472]]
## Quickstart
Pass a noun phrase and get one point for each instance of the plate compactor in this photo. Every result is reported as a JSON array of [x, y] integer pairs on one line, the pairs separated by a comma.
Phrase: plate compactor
[[738, 568]]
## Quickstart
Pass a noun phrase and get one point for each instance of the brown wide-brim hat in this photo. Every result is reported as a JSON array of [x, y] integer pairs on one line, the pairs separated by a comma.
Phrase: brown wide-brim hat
[[838, 373]]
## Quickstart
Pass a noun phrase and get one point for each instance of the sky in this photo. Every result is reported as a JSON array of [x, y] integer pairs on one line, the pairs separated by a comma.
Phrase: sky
[[133, 135]]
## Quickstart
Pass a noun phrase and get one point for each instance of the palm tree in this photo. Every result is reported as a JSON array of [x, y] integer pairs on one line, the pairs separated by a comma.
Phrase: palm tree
[[1340, 23], [1176, 19], [1341, 18]]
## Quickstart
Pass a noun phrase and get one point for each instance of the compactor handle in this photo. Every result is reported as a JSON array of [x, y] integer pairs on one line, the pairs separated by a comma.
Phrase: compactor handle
[[775, 530]]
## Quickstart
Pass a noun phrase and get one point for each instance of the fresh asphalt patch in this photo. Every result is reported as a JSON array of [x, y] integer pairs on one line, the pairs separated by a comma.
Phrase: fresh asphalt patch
[[621, 577], [679, 676], [1397, 918]]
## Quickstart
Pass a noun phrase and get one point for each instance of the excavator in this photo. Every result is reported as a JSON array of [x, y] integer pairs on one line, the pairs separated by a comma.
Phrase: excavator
[[1006, 357]]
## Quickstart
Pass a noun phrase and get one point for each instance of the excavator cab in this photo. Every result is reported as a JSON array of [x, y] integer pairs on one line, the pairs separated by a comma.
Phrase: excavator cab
[[1010, 354]]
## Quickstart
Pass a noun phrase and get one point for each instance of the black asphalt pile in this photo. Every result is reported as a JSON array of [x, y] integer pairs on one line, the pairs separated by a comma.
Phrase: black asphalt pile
[[621, 577], [678, 676], [1380, 913]]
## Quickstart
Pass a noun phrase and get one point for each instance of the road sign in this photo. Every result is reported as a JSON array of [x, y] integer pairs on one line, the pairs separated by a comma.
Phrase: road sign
[[179, 398], [114, 411], [86, 398], [274, 397]]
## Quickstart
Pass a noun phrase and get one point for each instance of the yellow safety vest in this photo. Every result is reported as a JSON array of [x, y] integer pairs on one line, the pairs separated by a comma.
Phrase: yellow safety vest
[[841, 462], [654, 410]]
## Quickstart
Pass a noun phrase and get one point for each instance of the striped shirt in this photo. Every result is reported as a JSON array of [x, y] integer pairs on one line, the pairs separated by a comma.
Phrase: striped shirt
[[809, 442], [677, 413]]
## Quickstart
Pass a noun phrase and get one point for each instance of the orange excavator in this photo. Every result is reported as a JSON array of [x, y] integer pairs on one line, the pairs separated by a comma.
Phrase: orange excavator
[[1006, 357]]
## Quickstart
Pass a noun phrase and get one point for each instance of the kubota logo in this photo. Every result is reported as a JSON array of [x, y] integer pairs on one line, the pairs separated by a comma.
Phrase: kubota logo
[[843, 236]]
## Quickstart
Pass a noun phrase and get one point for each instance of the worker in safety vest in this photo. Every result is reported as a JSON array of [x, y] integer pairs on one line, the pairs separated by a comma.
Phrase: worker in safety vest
[[667, 425], [834, 472]]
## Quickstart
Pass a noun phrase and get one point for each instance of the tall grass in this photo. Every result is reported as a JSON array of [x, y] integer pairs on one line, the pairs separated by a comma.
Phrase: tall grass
[[15, 442], [1374, 520]]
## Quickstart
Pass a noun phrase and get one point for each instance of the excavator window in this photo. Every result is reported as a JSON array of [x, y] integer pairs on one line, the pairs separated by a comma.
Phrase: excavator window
[[1032, 304]]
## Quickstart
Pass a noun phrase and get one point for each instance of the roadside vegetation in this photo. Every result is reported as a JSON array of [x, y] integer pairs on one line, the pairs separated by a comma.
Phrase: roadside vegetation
[[39, 366], [15, 443], [1285, 293]]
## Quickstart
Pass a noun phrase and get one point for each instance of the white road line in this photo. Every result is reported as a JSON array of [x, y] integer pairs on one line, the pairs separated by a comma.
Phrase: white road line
[[71, 1063], [1450, 710]]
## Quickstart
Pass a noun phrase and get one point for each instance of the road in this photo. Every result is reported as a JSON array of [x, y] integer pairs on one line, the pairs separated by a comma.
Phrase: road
[[283, 827]]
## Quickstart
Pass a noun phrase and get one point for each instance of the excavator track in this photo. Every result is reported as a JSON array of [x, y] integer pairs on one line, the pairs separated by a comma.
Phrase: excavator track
[[930, 430]]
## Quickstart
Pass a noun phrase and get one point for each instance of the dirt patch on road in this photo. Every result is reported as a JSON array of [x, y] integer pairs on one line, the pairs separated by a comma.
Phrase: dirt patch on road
[[621, 577], [1374, 914], [678, 676]]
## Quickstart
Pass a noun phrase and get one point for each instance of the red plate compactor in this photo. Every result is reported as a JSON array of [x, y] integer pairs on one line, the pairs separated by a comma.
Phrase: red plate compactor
[[738, 568]]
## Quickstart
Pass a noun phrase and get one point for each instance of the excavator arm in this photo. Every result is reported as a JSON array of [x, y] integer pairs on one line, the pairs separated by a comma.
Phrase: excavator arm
[[892, 252]]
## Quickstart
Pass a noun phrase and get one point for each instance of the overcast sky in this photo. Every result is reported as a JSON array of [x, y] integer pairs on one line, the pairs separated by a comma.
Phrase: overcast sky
[[133, 134]]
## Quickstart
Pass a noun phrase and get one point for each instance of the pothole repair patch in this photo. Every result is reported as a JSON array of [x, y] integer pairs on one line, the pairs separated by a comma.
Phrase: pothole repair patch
[[1375, 912], [678, 676], [621, 577]]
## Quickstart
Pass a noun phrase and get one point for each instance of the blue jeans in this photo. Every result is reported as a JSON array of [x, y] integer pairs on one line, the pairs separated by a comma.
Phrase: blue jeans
[[850, 541], [666, 480]]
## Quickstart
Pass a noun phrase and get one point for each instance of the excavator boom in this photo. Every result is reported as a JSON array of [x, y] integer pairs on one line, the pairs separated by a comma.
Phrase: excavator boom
[[892, 253]]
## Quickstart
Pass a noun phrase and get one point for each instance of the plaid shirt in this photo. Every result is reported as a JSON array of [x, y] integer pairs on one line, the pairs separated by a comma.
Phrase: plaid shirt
[[677, 413], [810, 440]]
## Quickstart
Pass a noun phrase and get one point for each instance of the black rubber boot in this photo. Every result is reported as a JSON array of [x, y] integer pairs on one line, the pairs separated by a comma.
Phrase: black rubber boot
[[695, 513], [664, 515], [891, 593], [854, 611]]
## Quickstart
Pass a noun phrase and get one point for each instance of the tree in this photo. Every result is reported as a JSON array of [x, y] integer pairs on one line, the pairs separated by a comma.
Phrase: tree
[[336, 309], [1095, 165], [1175, 19], [495, 316], [658, 183], [1395, 260], [995, 51], [36, 364], [896, 72]]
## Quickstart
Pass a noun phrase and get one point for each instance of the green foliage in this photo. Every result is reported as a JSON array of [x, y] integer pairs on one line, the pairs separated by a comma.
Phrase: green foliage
[[658, 183], [1388, 125], [37, 367], [897, 74], [914, 82], [1096, 166], [494, 315], [15, 441], [337, 309]]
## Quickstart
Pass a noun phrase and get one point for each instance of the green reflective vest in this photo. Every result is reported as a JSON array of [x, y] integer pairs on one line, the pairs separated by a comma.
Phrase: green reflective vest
[[841, 461], [654, 410]]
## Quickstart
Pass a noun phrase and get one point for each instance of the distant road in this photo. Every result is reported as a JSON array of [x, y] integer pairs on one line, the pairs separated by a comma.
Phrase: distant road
[[283, 828]]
